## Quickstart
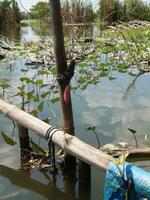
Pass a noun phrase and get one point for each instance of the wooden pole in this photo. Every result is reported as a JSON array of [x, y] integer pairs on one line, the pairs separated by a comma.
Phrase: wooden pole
[[69, 143], [62, 69]]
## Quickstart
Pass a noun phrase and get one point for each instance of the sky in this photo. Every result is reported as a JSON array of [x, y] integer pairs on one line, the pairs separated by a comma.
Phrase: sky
[[28, 3]]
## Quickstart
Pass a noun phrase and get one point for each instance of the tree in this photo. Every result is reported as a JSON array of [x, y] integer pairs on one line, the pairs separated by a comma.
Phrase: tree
[[136, 9], [114, 10], [109, 10], [15, 12], [40, 11], [75, 11], [9, 12]]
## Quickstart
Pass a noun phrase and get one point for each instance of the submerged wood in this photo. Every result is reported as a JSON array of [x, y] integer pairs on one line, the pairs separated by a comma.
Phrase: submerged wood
[[69, 143]]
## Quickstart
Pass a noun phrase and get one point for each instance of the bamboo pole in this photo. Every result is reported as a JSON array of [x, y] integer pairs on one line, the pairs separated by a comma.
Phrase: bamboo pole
[[69, 143]]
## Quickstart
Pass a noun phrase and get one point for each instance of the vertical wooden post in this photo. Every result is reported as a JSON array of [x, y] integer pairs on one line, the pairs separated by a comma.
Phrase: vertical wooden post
[[61, 67]]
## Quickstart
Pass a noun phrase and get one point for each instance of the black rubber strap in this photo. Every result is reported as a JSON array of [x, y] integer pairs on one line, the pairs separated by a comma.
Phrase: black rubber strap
[[48, 132], [51, 135]]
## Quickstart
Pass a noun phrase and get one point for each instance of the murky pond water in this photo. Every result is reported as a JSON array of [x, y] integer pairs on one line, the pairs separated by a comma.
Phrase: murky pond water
[[110, 105]]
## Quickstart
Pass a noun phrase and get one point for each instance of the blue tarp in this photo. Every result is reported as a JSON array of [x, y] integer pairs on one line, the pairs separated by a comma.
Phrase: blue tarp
[[127, 178]]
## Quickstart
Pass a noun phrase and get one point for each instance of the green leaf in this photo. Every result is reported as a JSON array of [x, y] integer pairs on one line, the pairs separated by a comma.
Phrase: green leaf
[[53, 71], [35, 98], [103, 74], [91, 128], [84, 87], [132, 130], [4, 86], [34, 113], [37, 149], [27, 80], [18, 47], [22, 88], [7, 139], [24, 70], [112, 78], [83, 65], [41, 106], [54, 100], [20, 94], [40, 82], [30, 94], [44, 95]]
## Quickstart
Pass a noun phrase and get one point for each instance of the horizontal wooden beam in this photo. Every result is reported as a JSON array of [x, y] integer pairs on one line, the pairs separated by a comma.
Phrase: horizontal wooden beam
[[70, 144]]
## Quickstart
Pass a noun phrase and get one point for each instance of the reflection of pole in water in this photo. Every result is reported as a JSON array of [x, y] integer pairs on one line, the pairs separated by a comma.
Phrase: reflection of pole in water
[[70, 185], [23, 180], [84, 181], [24, 146]]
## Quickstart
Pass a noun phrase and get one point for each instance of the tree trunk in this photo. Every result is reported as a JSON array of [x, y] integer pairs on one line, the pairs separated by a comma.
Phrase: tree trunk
[[61, 67]]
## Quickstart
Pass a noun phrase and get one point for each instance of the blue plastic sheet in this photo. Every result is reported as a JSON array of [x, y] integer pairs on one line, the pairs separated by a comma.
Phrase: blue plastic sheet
[[126, 179]]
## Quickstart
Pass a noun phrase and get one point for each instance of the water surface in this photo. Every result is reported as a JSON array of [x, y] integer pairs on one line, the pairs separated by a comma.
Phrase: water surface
[[109, 106]]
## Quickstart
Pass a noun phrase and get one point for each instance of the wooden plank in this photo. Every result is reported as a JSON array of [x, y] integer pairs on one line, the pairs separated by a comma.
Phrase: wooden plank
[[69, 143]]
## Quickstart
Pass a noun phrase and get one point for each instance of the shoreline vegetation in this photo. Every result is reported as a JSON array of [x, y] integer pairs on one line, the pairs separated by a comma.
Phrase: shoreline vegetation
[[109, 12], [120, 36], [126, 45]]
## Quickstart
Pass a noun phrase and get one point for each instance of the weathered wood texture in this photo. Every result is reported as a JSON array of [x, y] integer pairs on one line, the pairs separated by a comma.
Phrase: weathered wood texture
[[69, 143]]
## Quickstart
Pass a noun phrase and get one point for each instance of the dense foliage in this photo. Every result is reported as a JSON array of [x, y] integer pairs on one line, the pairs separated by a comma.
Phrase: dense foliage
[[114, 10], [40, 11], [9, 12], [75, 11]]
